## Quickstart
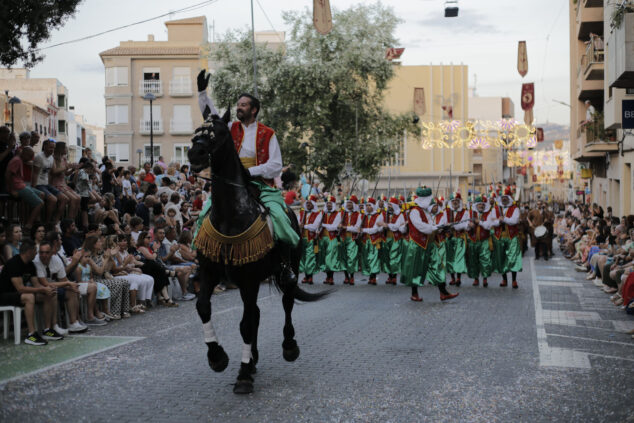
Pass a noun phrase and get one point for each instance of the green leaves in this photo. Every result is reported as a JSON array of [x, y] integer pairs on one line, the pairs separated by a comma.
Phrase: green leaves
[[323, 91]]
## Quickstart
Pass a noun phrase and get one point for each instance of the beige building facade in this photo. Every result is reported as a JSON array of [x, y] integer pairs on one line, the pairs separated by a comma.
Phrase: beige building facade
[[602, 71]]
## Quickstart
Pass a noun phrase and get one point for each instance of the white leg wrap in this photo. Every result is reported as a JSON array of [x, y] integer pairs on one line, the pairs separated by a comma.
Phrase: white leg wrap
[[209, 332], [246, 353]]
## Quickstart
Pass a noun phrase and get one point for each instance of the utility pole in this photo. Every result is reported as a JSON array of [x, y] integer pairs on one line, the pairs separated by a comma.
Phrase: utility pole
[[255, 66]]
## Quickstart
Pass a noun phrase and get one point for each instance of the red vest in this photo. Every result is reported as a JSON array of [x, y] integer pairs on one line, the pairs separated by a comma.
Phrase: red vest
[[369, 222], [511, 230], [453, 217], [311, 219], [479, 233], [439, 237], [350, 219], [396, 234], [414, 234], [329, 218], [497, 231], [262, 139]]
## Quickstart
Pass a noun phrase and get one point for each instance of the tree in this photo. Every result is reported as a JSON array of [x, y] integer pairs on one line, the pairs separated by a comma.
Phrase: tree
[[25, 24], [324, 94]]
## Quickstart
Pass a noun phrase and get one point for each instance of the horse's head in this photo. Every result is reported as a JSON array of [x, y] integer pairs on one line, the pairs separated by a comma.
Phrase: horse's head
[[208, 139]]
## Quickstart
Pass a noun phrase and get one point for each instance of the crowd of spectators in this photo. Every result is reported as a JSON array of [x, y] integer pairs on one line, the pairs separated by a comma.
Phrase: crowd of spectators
[[94, 243], [602, 246]]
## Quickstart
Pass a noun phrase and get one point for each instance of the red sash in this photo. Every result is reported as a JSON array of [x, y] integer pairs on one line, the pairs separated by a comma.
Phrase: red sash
[[369, 222], [262, 138], [414, 234], [329, 219]]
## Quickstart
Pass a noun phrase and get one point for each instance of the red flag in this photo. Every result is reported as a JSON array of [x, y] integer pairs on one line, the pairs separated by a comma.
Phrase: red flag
[[540, 134], [528, 96], [394, 53]]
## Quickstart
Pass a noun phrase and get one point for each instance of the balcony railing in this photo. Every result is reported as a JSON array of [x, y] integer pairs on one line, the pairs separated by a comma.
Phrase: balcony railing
[[179, 127], [153, 86], [180, 88], [594, 55], [156, 125]]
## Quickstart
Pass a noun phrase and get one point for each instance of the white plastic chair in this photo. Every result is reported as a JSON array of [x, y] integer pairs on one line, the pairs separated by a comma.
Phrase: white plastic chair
[[17, 322]]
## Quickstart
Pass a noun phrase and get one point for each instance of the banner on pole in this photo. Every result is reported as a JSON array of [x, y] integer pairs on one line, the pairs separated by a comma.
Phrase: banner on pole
[[522, 59], [528, 96], [394, 53], [322, 18]]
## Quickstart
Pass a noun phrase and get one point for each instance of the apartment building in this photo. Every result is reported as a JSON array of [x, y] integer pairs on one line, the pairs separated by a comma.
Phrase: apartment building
[[164, 70], [602, 77]]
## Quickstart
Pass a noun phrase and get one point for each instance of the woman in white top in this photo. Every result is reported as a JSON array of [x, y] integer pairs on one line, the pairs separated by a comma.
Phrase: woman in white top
[[125, 267]]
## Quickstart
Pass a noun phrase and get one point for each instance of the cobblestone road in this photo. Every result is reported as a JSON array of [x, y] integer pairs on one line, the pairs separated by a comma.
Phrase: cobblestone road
[[554, 350]]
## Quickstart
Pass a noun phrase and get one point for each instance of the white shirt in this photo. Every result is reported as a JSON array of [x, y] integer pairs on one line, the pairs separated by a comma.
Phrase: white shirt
[[127, 188], [464, 221], [400, 225], [269, 170], [376, 228], [56, 269], [426, 228], [44, 164], [313, 227], [357, 226], [514, 219], [335, 223]]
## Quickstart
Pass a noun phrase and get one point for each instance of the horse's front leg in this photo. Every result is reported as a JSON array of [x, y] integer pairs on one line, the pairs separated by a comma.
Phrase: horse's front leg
[[248, 330], [290, 350], [216, 355]]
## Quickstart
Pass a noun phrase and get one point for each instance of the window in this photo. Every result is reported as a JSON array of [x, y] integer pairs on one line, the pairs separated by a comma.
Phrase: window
[[61, 126], [116, 114], [61, 100], [116, 76], [157, 151], [180, 153], [151, 74], [118, 152], [629, 91], [181, 74], [182, 120]]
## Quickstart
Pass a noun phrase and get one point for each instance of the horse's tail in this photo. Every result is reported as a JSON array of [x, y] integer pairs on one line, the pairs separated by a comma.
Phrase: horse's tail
[[300, 295]]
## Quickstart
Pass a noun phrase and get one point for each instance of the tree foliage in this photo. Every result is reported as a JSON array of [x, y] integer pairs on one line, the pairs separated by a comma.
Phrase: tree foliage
[[323, 95], [27, 23]]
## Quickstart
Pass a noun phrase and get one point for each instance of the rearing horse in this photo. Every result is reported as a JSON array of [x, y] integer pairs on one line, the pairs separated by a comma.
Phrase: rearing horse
[[236, 241]]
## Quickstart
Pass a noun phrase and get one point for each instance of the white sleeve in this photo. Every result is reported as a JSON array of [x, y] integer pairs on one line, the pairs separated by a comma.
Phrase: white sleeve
[[514, 219], [376, 228], [443, 219], [273, 167], [489, 223], [357, 226], [418, 223], [205, 101], [402, 223], [334, 225], [313, 227], [464, 223]]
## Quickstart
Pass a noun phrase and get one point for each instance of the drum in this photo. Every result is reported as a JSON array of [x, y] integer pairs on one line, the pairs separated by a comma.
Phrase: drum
[[541, 232]]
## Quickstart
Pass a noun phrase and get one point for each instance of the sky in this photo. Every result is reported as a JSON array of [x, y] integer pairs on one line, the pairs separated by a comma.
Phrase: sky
[[484, 37]]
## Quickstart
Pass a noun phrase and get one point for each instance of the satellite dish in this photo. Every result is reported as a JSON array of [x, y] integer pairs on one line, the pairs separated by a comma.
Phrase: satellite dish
[[451, 8]]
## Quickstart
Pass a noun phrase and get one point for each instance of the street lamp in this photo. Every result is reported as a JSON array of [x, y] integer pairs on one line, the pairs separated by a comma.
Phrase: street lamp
[[139, 152], [12, 101], [151, 98]]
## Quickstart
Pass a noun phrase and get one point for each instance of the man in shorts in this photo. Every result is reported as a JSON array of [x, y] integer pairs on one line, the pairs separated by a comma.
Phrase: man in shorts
[[42, 164], [16, 185], [19, 288]]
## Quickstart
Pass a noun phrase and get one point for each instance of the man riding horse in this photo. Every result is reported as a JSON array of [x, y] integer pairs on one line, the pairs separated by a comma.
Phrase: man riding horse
[[260, 154]]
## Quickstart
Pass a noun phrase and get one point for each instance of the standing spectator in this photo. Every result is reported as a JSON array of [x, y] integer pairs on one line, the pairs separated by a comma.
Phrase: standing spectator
[[61, 169], [70, 240], [51, 272], [143, 209], [42, 165], [19, 288], [7, 144], [162, 164], [35, 139], [149, 177], [17, 185], [107, 177], [184, 174], [83, 189]]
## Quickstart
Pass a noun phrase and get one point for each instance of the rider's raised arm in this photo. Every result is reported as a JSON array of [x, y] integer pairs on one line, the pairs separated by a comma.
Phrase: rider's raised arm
[[273, 167], [206, 105]]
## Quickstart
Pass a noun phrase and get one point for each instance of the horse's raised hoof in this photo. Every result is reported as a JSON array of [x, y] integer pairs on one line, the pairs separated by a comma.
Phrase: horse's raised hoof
[[290, 350], [243, 387], [217, 357]]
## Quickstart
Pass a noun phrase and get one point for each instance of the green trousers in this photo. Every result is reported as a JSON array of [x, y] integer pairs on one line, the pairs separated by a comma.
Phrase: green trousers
[[350, 256], [479, 263], [308, 262], [274, 202], [392, 262], [370, 263], [497, 255], [415, 264], [512, 255], [437, 263], [331, 255], [456, 255]]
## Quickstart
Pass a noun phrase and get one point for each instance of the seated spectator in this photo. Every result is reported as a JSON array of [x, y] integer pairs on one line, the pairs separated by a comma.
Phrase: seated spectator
[[17, 187], [143, 209], [167, 250], [70, 239], [155, 268], [136, 227], [7, 144], [42, 165], [13, 239], [51, 272], [19, 288], [83, 275], [187, 218], [38, 232], [128, 267], [165, 188]]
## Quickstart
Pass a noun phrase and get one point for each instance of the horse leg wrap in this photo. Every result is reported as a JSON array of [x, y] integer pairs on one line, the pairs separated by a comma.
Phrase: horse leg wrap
[[209, 332], [246, 353]]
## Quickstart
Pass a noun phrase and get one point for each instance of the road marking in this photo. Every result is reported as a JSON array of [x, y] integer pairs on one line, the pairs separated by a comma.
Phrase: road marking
[[548, 356], [556, 278], [565, 284], [555, 267], [629, 344]]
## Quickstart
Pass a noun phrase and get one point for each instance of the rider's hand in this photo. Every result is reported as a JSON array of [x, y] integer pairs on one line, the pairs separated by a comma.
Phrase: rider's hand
[[202, 80]]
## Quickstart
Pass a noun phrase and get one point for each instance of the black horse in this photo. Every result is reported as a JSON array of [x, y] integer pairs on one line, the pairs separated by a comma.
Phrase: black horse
[[235, 209]]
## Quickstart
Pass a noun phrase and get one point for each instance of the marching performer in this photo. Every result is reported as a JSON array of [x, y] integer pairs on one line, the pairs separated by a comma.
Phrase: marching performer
[[510, 241], [330, 242], [437, 252], [479, 252], [415, 255], [371, 230], [394, 243], [310, 223], [497, 254], [351, 226], [457, 244]]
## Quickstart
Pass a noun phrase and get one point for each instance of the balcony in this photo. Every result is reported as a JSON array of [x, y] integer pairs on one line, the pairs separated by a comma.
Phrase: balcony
[[593, 140], [179, 127], [153, 86], [589, 89], [156, 125], [180, 88], [589, 19], [621, 54], [592, 62]]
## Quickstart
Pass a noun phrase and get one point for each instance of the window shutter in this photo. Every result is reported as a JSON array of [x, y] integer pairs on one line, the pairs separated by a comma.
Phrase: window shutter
[[122, 75], [122, 113], [111, 115], [110, 74]]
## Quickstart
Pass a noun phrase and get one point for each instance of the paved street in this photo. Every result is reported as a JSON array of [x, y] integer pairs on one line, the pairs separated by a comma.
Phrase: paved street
[[554, 350]]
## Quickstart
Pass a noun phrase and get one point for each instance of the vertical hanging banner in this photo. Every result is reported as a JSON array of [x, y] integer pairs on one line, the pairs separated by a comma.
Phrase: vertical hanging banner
[[394, 53], [522, 59], [419, 101], [528, 96], [539, 132], [322, 18]]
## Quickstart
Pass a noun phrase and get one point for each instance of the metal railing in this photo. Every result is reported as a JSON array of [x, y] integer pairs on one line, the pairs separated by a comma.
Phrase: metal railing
[[156, 124], [591, 56], [153, 86], [180, 87]]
